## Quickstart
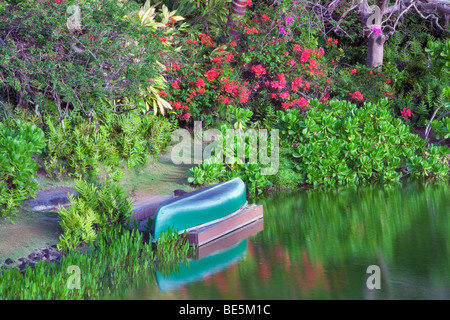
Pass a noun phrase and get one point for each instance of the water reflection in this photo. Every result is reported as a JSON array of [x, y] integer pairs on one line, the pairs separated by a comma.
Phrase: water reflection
[[318, 244], [210, 258]]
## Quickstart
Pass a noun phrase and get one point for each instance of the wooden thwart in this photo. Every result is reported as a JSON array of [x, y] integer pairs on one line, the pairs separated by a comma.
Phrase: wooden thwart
[[208, 233]]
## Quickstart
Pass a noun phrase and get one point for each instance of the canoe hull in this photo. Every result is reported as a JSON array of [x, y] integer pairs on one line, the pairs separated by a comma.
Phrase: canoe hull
[[200, 207]]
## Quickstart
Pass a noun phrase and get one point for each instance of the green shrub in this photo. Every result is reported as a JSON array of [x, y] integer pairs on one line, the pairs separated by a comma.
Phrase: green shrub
[[341, 143], [94, 209], [79, 148], [18, 143], [61, 69]]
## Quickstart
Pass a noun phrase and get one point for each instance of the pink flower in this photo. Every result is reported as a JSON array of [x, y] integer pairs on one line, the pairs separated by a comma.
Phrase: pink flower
[[376, 30], [284, 95], [405, 113], [291, 62], [353, 71], [186, 116]]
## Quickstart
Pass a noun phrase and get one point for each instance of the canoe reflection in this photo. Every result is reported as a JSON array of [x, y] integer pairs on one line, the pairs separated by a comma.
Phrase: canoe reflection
[[211, 258]]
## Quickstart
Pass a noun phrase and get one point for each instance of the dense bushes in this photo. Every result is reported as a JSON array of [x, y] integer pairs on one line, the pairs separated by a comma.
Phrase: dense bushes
[[18, 142], [49, 63], [341, 143]]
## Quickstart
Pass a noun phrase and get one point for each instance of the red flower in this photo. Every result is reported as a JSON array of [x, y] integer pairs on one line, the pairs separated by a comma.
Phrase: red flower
[[265, 17], [353, 71], [291, 62], [233, 44], [186, 116], [298, 81], [305, 55], [302, 102], [250, 30], [175, 84], [258, 70], [389, 81], [162, 94], [274, 95], [357, 95], [212, 74], [229, 56], [200, 83], [297, 47]]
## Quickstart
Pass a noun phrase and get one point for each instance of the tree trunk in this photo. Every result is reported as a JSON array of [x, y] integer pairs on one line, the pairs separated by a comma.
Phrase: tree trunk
[[375, 50], [237, 8]]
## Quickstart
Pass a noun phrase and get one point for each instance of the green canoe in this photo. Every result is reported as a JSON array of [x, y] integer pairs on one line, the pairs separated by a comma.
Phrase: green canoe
[[200, 207]]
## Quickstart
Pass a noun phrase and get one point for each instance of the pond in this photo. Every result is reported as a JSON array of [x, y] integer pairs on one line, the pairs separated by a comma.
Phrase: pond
[[319, 244]]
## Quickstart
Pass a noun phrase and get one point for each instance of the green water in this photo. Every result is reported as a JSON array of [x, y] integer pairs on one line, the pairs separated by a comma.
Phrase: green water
[[318, 244]]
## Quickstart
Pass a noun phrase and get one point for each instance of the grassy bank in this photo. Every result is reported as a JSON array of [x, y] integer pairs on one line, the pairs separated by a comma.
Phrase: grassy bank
[[36, 229]]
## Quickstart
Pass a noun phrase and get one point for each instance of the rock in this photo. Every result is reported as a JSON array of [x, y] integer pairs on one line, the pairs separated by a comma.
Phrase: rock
[[50, 200], [147, 209], [35, 256], [46, 253], [23, 266], [178, 192], [9, 261]]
